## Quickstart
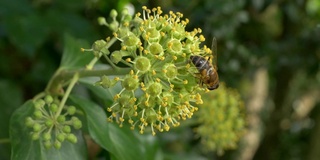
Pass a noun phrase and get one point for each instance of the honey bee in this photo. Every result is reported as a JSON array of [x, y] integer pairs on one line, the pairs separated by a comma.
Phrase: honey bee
[[208, 74]]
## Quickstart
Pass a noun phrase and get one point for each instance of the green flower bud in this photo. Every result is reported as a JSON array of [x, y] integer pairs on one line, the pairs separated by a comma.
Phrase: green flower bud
[[48, 99], [46, 136], [113, 13], [98, 45], [125, 12], [29, 122], [142, 64], [72, 138], [155, 89], [127, 18], [114, 25], [106, 82], [37, 114], [54, 107], [77, 124], [49, 122], [39, 104], [66, 129], [61, 119], [35, 136], [130, 83], [47, 144], [116, 57], [57, 144], [61, 137], [74, 118], [102, 21], [37, 127], [71, 110]]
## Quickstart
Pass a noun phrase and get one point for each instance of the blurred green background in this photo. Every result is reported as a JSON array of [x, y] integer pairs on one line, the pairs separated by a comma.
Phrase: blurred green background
[[269, 50]]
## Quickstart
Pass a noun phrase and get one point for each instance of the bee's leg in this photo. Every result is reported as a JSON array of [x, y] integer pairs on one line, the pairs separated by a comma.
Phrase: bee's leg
[[204, 74], [202, 83], [202, 77]]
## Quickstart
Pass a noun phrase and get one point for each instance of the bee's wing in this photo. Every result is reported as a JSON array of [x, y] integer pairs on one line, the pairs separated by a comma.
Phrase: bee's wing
[[214, 53]]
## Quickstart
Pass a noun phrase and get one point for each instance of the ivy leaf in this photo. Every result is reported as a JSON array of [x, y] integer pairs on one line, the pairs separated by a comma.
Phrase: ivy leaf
[[122, 143], [8, 91], [23, 147], [72, 57]]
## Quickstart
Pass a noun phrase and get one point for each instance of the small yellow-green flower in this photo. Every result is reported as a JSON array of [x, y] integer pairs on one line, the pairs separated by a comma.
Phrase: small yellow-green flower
[[221, 119], [157, 48]]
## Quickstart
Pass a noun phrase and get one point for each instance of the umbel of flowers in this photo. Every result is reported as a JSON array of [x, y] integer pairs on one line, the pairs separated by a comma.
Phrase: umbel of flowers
[[221, 119], [161, 87], [49, 125]]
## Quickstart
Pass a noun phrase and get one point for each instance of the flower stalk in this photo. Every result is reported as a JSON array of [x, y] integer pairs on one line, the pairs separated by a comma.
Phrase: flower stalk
[[67, 93]]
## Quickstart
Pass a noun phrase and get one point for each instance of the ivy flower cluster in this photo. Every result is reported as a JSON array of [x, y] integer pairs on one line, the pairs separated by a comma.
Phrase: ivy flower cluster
[[221, 119], [161, 88], [50, 125]]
